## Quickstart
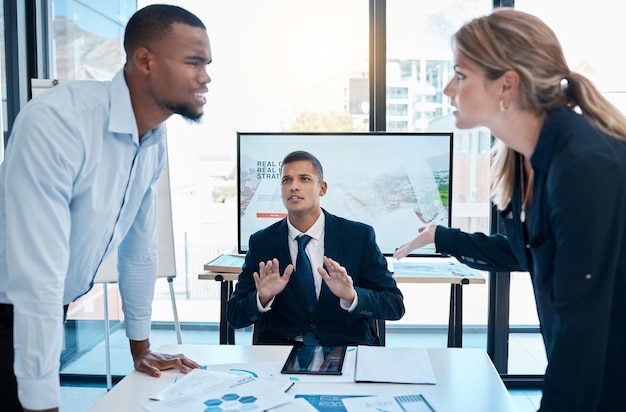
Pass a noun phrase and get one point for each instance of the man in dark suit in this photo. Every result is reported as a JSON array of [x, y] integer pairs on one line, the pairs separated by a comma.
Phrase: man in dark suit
[[349, 285]]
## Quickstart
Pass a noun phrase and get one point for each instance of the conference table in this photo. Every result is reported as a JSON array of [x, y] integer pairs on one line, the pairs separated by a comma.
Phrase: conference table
[[408, 270], [465, 379]]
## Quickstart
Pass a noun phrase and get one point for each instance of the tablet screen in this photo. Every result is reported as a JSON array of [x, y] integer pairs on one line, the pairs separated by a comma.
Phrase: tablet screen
[[315, 360]]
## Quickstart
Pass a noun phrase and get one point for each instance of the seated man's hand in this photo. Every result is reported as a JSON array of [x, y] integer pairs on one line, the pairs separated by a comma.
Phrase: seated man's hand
[[337, 280], [153, 363], [268, 280]]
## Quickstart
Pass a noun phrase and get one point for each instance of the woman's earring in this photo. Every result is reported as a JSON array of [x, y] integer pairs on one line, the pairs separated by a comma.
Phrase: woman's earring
[[502, 106]]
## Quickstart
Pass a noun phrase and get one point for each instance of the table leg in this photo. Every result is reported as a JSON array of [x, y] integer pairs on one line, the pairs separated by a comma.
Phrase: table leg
[[229, 329], [227, 334], [455, 321]]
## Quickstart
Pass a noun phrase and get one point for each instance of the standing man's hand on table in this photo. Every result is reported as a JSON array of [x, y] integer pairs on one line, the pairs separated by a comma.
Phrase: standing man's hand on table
[[152, 363]]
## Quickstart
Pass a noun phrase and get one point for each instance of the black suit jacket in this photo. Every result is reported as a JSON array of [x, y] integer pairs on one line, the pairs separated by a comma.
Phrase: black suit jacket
[[576, 255], [350, 243]]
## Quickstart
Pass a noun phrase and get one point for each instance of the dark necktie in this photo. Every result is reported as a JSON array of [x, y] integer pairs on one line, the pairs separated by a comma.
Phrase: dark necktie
[[304, 272]]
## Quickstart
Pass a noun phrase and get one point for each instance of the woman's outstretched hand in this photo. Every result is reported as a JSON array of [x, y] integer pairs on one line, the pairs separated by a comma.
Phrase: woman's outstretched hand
[[425, 236]]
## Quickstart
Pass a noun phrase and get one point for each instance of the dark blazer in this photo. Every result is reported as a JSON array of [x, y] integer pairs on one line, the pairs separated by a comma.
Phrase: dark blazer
[[353, 245], [574, 245]]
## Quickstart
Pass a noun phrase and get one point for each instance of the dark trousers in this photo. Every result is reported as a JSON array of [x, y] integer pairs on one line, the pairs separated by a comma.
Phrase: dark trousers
[[8, 383]]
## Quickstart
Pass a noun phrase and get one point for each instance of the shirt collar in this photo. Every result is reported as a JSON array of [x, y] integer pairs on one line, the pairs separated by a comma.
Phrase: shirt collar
[[316, 231], [123, 119], [542, 155]]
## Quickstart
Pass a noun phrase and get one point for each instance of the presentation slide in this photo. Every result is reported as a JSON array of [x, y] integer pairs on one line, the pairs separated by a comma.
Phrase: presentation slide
[[393, 182]]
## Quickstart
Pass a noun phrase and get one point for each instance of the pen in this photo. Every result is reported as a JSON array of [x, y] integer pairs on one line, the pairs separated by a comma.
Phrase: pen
[[289, 387]]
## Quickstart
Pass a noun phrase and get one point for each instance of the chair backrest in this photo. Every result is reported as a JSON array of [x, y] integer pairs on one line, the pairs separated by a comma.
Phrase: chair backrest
[[378, 329], [377, 326], [257, 327]]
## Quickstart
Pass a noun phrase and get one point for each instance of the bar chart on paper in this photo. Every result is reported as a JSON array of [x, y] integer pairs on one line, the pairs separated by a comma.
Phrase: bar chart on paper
[[391, 403]]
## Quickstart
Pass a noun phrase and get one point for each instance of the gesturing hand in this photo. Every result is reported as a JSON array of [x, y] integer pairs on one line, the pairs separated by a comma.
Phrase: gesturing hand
[[337, 280], [268, 280], [425, 236]]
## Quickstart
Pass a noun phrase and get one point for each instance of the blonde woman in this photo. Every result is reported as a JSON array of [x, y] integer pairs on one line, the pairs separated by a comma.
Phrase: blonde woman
[[559, 182]]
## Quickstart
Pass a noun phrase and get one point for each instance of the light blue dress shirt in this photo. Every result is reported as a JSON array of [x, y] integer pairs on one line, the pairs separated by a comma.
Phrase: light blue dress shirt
[[76, 184]]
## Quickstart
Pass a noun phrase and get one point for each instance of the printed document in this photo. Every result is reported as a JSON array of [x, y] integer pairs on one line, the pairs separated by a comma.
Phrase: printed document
[[393, 365]]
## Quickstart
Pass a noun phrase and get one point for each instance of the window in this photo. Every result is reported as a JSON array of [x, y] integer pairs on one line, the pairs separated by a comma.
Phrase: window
[[87, 44], [397, 92], [287, 75], [419, 32], [397, 110], [87, 38]]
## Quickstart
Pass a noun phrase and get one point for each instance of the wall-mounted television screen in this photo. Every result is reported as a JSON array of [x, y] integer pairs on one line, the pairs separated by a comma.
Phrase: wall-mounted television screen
[[395, 182]]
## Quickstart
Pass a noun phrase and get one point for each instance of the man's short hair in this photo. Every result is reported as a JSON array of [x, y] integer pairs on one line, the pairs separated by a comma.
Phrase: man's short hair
[[302, 155], [153, 23]]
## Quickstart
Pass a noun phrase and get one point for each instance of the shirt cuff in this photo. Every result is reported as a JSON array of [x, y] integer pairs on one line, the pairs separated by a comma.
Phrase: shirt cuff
[[260, 307], [345, 305], [137, 329], [39, 394]]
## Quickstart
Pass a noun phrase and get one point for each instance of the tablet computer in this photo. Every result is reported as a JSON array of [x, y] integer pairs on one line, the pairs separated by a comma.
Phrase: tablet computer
[[315, 360]]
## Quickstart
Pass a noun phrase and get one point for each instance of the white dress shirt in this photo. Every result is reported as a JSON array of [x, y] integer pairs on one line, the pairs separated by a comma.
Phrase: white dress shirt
[[315, 252]]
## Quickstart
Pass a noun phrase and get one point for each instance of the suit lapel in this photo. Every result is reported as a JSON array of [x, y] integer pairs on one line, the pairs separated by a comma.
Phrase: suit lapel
[[281, 240], [331, 249], [331, 235]]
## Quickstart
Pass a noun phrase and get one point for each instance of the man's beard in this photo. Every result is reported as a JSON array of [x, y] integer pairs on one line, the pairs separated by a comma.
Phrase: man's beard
[[183, 110]]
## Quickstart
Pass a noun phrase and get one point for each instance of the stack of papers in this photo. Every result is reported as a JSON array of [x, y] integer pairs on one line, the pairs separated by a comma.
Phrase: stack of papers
[[393, 365], [196, 381], [200, 389]]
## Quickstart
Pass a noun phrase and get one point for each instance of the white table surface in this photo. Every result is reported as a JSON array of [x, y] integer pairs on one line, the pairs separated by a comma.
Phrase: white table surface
[[466, 379]]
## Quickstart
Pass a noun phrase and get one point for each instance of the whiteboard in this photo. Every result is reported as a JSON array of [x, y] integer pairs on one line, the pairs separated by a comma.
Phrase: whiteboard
[[38, 86], [107, 273]]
